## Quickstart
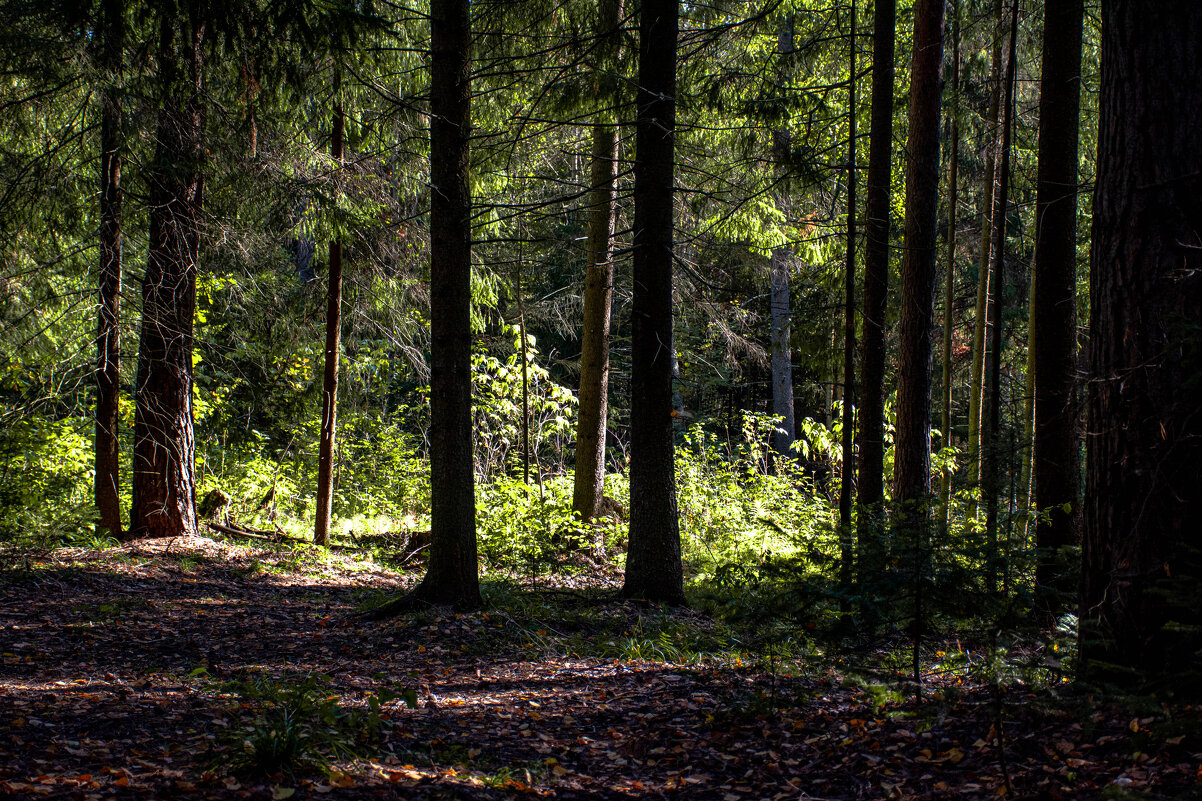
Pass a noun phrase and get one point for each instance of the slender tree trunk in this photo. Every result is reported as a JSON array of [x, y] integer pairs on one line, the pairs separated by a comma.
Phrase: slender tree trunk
[[653, 566], [329, 405], [1142, 563], [782, 354], [451, 576], [164, 481], [953, 168], [991, 444], [589, 481], [912, 454], [976, 391], [1054, 292], [108, 330], [871, 484], [848, 476]]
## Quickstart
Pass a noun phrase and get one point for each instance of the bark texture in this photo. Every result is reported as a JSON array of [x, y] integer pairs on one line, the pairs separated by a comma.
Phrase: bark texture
[[108, 331], [1141, 550], [976, 391], [871, 483], [991, 444], [589, 482], [451, 575], [164, 482], [329, 395], [653, 566], [912, 454], [1054, 290], [782, 354], [848, 477]]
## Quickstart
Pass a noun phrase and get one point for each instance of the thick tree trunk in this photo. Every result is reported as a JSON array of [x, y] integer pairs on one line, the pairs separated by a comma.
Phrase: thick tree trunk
[[976, 391], [108, 331], [653, 566], [164, 482], [329, 395], [1142, 561], [782, 354], [589, 481], [1054, 292], [848, 476], [991, 444], [451, 576], [871, 484], [912, 454]]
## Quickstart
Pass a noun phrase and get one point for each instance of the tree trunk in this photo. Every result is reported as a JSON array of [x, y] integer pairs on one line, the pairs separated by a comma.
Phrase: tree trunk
[[847, 477], [912, 453], [1054, 292], [976, 391], [653, 566], [953, 170], [164, 482], [329, 396], [991, 444], [871, 484], [1142, 562], [589, 481], [108, 330], [782, 354], [451, 576]]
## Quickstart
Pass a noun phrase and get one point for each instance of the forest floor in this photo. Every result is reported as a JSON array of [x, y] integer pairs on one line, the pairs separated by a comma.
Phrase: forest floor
[[172, 669]]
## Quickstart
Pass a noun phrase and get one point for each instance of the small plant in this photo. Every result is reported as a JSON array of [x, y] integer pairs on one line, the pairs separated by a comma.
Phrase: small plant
[[299, 725]]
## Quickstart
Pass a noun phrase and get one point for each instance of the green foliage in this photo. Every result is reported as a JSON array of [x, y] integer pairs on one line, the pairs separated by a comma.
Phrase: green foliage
[[299, 724], [46, 483], [735, 513]]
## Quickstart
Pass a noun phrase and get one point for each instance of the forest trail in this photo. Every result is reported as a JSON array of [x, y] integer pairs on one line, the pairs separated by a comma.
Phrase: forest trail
[[143, 671]]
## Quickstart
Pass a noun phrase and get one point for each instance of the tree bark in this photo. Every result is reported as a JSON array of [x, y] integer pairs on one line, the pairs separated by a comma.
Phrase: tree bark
[[848, 475], [976, 391], [589, 481], [108, 330], [653, 567], [991, 444], [782, 354], [871, 484], [1054, 292], [329, 395], [164, 482], [912, 453], [1142, 564], [953, 193], [451, 577]]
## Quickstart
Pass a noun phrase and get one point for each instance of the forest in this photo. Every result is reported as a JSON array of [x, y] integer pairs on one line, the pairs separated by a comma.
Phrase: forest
[[601, 399]]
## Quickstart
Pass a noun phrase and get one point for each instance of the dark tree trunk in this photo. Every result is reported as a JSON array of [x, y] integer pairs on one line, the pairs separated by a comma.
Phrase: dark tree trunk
[[871, 484], [653, 566], [108, 331], [976, 392], [991, 441], [848, 477], [953, 198], [451, 577], [329, 397], [1142, 563], [912, 453], [589, 486], [1054, 297], [164, 482]]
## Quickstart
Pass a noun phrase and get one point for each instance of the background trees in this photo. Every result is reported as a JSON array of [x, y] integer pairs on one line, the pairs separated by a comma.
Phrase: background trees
[[591, 240]]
